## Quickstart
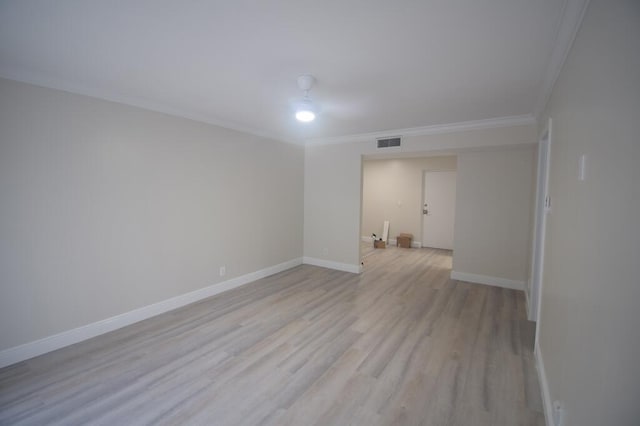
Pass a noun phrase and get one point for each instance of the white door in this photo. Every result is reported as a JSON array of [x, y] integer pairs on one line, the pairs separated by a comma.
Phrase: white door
[[439, 208]]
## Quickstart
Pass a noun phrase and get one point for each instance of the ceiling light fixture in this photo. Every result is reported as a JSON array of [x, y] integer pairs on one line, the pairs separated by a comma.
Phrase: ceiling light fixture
[[306, 110]]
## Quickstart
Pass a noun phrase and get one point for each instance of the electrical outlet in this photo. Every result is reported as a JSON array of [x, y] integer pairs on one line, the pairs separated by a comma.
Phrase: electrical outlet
[[582, 168], [558, 413], [223, 271], [325, 251]]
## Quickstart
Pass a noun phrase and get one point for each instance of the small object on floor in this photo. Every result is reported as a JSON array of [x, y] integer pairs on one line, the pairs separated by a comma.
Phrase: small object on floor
[[379, 244], [385, 231], [404, 240]]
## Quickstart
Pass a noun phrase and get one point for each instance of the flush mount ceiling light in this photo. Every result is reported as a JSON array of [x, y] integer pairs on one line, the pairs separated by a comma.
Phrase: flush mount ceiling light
[[305, 109]]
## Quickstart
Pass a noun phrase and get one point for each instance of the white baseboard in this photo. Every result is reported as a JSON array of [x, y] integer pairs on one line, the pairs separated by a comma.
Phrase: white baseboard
[[346, 267], [69, 337], [483, 279], [544, 386], [370, 240], [392, 241]]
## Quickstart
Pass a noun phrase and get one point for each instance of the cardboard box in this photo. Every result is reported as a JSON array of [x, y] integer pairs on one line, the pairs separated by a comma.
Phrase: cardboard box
[[379, 244], [404, 240]]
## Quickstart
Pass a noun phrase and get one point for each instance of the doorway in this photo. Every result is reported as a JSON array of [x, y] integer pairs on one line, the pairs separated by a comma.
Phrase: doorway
[[393, 190], [438, 209]]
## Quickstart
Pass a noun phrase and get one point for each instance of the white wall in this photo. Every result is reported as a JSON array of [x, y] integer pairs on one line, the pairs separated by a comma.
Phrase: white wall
[[493, 209], [392, 190], [105, 208], [589, 328], [333, 180]]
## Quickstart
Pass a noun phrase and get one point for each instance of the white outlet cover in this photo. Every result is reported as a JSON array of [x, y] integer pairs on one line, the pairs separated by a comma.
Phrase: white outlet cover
[[558, 413], [582, 168]]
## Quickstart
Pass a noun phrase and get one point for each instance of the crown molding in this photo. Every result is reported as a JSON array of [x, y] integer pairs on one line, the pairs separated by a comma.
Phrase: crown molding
[[516, 120], [146, 104], [508, 121], [572, 14]]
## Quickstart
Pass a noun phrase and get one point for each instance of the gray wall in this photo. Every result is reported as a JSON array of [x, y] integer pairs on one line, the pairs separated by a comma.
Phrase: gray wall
[[333, 182], [106, 208], [589, 327], [493, 213]]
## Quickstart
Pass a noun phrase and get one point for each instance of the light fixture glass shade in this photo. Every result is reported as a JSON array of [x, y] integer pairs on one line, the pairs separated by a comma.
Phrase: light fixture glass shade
[[305, 116], [305, 111]]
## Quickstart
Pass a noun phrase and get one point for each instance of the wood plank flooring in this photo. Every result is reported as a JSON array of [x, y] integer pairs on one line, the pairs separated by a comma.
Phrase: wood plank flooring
[[400, 344]]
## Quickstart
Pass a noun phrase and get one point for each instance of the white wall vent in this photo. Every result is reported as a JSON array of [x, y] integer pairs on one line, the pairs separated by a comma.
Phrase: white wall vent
[[389, 142]]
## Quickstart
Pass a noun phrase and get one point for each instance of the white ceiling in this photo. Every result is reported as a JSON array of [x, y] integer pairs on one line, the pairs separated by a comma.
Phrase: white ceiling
[[380, 65]]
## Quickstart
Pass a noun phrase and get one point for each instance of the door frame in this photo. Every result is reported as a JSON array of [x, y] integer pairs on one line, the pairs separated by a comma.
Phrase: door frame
[[542, 208], [424, 173]]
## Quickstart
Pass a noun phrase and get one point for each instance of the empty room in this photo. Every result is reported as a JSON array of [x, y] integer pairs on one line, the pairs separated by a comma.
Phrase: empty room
[[333, 213]]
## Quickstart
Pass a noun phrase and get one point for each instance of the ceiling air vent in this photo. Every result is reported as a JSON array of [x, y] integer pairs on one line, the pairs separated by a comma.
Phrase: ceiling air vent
[[388, 142]]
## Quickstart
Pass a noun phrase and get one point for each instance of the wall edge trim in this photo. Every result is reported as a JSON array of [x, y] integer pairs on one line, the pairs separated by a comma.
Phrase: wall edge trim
[[544, 386]]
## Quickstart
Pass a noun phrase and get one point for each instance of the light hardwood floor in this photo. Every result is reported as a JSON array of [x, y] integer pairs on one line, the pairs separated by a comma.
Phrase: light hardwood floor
[[400, 344]]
